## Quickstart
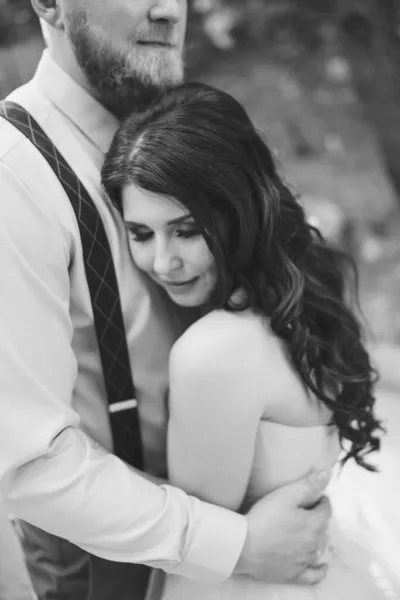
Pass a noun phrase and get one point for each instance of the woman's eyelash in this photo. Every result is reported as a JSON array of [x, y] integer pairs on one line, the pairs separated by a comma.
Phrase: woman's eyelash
[[187, 233], [140, 236], [144, 236]]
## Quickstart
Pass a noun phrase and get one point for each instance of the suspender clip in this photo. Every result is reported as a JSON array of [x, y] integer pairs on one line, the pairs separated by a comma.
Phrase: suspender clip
[[124, 405]]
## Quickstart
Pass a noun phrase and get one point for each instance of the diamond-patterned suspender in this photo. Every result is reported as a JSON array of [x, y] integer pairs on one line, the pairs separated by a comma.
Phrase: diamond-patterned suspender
[[103, 289]]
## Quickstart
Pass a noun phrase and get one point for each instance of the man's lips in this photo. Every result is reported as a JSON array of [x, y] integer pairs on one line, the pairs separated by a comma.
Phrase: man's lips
[[160, 43]]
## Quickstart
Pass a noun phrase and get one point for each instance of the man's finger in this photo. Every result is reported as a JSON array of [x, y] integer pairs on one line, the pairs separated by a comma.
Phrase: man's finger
[[306, 492], [312, 575], [320, 515]]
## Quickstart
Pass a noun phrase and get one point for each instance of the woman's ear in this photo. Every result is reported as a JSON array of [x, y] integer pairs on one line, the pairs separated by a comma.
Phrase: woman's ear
[[49, 11]]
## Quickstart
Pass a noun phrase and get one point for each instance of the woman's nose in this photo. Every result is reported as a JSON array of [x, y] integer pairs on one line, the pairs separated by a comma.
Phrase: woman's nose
[[165, 260]]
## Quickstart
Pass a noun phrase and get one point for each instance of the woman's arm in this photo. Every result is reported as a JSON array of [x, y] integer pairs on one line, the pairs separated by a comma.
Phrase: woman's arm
[[216, 403]]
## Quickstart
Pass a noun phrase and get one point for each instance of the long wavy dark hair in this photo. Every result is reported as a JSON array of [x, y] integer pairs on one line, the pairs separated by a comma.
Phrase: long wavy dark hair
[[196, 144]]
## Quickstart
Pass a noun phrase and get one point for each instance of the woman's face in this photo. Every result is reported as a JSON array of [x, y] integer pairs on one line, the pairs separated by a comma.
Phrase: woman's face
[[166, 243]]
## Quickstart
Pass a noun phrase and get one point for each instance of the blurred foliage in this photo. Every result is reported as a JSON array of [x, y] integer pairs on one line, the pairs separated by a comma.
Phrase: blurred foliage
[[17, 21], [286, 27]]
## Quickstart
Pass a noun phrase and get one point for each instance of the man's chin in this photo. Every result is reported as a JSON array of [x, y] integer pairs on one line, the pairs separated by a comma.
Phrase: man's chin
[[163, 69], [122, 101], [125, 86]]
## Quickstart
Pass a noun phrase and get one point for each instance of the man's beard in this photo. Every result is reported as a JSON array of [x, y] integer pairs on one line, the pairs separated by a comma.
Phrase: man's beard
[[122, 83]]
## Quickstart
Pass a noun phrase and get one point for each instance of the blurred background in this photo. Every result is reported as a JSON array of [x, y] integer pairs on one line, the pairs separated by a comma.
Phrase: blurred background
[[321, 80]]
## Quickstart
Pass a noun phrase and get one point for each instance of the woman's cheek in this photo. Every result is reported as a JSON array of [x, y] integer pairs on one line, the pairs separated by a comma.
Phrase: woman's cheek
[[141, 257]]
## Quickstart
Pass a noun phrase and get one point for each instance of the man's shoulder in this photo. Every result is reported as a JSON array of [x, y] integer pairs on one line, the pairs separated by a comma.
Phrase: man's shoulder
[[18, 156], [11, 139], [20, 162], [27, 181], [10, 136]]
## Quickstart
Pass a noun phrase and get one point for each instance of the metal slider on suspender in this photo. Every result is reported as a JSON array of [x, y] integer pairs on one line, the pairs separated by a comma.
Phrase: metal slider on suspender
[[123, 405]]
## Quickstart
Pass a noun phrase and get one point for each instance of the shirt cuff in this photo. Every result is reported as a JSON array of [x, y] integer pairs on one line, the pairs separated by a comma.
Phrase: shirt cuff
[[214, 545]]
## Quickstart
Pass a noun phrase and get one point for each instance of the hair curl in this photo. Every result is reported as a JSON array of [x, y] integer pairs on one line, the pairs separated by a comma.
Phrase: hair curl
[[197, 144]]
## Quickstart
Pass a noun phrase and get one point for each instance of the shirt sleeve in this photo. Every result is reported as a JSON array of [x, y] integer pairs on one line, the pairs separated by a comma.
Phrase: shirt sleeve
[[51, 473]]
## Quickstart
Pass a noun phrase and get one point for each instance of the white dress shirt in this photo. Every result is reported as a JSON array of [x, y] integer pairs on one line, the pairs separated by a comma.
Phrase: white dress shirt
[[56, 469]]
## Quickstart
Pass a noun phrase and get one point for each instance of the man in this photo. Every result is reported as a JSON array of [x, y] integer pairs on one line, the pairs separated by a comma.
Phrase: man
[[104, 59]]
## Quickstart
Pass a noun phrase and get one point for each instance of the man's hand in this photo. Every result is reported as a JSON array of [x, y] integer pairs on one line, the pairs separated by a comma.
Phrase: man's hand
[[287, 533]]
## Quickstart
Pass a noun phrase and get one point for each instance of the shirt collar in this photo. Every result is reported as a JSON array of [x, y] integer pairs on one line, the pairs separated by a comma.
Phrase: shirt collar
[[82, 109]]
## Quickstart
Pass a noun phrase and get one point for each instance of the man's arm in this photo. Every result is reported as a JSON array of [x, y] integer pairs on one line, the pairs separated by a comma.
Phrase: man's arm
[[51, 473]]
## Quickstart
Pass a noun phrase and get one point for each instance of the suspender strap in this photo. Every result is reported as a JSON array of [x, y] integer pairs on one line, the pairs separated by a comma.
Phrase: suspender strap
[[103, 287]]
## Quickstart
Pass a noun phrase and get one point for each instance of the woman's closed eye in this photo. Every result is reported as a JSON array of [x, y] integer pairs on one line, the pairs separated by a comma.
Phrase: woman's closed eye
[[140, 235], [144, 235], [187, 232]]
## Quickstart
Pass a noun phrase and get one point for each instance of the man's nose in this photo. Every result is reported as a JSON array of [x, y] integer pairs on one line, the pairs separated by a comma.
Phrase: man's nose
[[168, 10]]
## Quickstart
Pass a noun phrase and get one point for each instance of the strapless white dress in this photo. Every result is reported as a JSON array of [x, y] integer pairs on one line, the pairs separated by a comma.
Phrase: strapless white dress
[[363, 554]]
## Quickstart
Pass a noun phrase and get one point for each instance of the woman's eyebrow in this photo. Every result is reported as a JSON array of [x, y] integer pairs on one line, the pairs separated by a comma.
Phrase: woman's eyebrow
[[180, 220], [135, 224]]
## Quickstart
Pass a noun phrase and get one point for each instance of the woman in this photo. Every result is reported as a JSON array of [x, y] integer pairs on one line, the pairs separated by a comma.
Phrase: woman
[[273, 379]]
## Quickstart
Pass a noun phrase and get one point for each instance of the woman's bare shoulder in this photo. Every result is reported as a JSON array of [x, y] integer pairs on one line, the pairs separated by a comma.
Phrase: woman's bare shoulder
[[241, 347], [223, 338]]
